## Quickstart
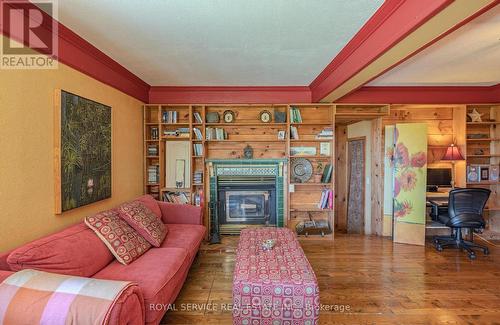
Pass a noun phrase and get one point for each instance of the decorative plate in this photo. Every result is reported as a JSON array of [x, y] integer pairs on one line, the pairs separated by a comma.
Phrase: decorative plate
[[265, 116], [301, 170]]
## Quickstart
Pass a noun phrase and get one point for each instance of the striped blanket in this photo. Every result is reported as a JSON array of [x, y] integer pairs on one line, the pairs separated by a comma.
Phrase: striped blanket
[[36, 297]]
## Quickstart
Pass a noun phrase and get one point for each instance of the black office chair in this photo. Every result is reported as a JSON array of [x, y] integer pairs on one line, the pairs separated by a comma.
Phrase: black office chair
[[465, 210]]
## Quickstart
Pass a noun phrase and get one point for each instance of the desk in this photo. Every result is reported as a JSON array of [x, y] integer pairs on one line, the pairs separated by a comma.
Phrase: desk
[[438, 202]]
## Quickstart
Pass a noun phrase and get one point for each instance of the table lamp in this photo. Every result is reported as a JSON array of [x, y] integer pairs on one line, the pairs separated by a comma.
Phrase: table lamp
[[452, 154]]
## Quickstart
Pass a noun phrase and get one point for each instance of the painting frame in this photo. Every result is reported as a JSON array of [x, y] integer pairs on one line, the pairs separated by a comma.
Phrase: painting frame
[[98, 188]]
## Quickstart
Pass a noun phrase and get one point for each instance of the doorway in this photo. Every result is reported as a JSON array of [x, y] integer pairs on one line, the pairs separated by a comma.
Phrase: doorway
[[356, 156]]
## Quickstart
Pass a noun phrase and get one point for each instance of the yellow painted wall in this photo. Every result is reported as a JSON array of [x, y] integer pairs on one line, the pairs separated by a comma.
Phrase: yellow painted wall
[[26, 150]]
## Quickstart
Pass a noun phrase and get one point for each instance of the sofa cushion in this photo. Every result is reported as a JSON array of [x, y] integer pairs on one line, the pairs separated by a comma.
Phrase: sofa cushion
[[160, 273], [121, 239], [144, 221], [73, 251], [151, 203], [188, 237]]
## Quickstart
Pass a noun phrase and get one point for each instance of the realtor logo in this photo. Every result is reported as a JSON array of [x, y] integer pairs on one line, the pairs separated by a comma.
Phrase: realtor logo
[[29, 38]]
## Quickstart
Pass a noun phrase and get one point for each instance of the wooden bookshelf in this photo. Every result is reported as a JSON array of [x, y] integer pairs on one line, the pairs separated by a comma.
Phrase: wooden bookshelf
[[246, 129], [483, 149]]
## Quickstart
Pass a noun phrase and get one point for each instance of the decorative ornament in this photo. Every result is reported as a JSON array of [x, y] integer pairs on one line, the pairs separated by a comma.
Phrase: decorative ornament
[[248, 152], [228, 116], [475, 116], [212, 117]]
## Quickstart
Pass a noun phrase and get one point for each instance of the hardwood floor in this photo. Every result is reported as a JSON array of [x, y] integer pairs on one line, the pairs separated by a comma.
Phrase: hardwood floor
[[380, 282]]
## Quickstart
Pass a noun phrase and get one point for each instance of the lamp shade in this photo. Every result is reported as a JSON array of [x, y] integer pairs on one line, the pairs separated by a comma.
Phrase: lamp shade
[[452, 153]]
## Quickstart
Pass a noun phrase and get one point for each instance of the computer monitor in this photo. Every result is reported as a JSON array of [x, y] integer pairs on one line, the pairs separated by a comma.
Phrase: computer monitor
[[440, 177]]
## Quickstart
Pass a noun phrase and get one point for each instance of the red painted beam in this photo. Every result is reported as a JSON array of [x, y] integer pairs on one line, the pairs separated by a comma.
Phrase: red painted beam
[[230, 95], [79, 54], [394, 20], [424, 95]]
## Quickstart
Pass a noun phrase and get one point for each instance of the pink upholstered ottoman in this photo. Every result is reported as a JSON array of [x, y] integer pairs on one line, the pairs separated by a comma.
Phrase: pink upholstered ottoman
[[276, 286]]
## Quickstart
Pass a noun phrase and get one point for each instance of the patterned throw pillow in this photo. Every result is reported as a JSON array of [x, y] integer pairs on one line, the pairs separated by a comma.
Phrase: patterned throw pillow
[[144, 221], [121, 239]]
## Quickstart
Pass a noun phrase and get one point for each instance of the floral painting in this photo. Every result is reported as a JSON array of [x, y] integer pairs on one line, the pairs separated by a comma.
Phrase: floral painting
[[408, 159], [85, 150]]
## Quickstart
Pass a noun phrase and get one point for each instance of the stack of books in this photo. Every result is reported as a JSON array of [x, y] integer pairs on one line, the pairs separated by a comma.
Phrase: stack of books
[[176, 197], [169, 117], [152, 150], [294, 133], [198, 177], [197, 133], [198, 149], [327, 174], [197, 117], [215, 134], [153, 174], [326, 201], [325, 134], [295, 116]]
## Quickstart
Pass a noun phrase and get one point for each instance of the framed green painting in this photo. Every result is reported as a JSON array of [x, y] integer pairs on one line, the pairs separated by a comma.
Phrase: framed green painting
[[82, 147]]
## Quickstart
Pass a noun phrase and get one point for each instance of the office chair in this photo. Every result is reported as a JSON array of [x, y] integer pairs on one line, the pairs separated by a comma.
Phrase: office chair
[[465, 210]]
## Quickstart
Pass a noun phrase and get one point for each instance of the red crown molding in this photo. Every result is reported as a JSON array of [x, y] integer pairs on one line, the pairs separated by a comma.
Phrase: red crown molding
[[391, 23], [424, 95], [230, 95], [80, 55]]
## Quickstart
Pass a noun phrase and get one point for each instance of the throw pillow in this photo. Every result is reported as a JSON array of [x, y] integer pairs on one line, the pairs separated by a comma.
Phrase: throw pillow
[[144, 221], [121, 239]]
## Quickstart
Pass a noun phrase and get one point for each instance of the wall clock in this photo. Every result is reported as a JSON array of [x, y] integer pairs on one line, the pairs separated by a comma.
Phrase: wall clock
[[265, 116], [228, 116]]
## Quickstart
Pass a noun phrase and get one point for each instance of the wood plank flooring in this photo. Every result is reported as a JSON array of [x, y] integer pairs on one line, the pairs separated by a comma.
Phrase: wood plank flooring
[[380, 282]]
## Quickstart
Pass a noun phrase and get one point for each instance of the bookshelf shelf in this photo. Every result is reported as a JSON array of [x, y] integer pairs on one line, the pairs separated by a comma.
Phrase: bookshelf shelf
[[484, 123], [259, 124], [310, 157], [311, 184]]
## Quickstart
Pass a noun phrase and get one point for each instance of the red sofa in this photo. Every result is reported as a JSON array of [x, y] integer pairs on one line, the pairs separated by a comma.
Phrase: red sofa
[[159, 273]]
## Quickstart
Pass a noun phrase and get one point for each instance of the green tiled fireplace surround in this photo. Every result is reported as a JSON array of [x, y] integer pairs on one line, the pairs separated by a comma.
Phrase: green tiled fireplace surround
[[251, 167]]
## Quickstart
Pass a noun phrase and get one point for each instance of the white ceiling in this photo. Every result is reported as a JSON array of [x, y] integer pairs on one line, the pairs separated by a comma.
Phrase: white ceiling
[[470, 56], [219, 42]]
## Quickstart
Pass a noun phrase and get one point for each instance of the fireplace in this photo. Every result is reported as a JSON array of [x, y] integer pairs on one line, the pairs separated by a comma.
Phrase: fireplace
[[247, 200], [245, 193]]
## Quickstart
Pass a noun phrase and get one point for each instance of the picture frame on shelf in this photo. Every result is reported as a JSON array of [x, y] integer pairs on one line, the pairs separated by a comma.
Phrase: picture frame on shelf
[[281, 135], [473, 174], [324, 148], [494, 173], [485, 173]]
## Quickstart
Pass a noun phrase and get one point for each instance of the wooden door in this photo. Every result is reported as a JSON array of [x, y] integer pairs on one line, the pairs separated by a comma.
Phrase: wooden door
[[356, 185]]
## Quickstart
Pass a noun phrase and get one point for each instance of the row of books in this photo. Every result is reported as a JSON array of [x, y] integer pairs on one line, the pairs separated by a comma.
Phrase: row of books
[[325, 134], [153, 174], [326, 201], [197, 117], [215, 134], [295, 116], [198, 177], [198, 134], [198, 149], [180, 133], [152, 150], [169, 117], [175, 197]]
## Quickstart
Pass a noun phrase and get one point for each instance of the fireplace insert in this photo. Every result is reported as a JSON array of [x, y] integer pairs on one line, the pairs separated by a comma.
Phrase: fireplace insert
[[251, 203]]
